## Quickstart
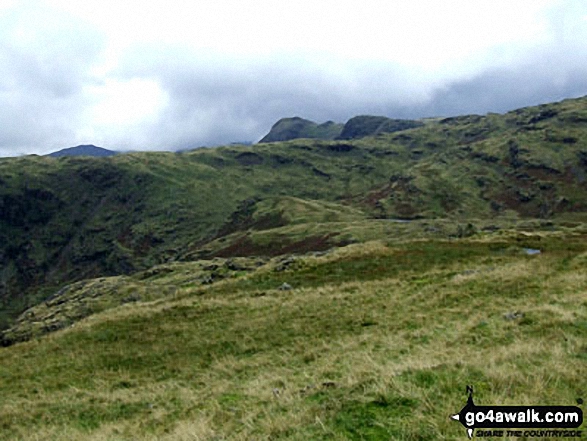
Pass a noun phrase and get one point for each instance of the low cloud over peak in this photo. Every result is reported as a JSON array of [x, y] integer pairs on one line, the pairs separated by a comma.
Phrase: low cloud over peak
[[68, 76]]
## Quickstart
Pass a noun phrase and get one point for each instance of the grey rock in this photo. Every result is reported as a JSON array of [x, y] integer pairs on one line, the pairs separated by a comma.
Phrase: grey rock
[[284, 264], [513, 315]]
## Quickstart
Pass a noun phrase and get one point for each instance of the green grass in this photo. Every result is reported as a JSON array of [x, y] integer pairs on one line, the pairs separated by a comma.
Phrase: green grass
[[68, 219], [177, 328], [370, 344]]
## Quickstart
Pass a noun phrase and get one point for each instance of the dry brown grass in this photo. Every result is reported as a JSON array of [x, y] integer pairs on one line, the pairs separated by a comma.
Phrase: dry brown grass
[[308, 363]]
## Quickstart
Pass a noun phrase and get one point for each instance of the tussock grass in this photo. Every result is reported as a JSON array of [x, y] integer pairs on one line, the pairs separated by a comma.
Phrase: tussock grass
[[348, 353]]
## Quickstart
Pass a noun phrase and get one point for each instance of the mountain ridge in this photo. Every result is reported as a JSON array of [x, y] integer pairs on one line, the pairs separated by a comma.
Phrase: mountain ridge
[[287, 129], [306, 289], [83, 217], [296, 127]]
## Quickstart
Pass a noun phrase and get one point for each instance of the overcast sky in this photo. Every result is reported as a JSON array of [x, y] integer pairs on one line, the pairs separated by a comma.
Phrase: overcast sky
[[167, 75]]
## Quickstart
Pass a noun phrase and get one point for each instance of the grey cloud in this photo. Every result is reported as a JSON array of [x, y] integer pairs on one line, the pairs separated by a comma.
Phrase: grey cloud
[[215, 99], [214, 103], [549, 75], [238, 100], [550, 72], [45, 59], [501, 91]]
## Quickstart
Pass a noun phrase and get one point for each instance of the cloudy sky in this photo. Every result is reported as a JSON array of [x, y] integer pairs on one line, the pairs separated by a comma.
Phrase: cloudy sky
[[167, 75]]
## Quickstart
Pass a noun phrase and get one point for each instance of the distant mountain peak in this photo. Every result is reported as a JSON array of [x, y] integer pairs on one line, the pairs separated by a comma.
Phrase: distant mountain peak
[[369, 125], [295, 127], [357, 127], [83, 150]]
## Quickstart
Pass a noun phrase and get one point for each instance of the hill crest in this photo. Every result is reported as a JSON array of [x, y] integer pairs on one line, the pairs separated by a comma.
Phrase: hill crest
[[287, 129], [83, 150], [294, 128], [84, 217]]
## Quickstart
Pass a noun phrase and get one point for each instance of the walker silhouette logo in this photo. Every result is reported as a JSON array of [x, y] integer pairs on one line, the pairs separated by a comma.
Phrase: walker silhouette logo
[[519, 417]]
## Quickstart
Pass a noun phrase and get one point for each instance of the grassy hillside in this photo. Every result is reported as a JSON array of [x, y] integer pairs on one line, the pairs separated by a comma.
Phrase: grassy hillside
[[72, 218], [297, 290], [67, 219], [372, 341]]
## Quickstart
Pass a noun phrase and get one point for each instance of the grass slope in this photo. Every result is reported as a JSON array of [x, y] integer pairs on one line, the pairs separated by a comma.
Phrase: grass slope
[[373, 341], [68, 219], [405, 255]]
